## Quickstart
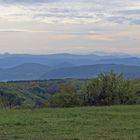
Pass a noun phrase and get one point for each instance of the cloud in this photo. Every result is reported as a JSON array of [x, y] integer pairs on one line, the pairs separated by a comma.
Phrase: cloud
[[130, 12], [69, 25], [71, 12], [26, 1]]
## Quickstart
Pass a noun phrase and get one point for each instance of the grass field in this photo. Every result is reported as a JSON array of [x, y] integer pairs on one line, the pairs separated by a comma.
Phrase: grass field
[[87, 123]]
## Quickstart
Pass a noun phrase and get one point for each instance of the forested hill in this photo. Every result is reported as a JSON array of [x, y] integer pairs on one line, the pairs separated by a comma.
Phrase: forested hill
[[16, 67], [66, 93], [32, 93], [35, 71], [91, 71]]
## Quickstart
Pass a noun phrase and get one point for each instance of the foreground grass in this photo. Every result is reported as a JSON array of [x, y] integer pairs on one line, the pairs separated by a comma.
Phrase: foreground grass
[[87, 123]]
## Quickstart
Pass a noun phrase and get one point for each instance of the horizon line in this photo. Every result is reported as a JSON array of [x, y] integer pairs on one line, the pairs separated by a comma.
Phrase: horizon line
[[66, 53]]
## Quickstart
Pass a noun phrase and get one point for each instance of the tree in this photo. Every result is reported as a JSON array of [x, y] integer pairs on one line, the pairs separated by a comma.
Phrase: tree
[[107, 89], [8, 100], [67, 97]]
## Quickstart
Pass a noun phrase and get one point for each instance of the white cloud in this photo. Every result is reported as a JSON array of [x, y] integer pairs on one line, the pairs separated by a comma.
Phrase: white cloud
[[69, 25], [72, 12]]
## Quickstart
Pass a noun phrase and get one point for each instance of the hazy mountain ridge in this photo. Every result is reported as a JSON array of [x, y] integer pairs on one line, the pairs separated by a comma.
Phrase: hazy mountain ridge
[[53, 60], [41, 72], [27, 71], [60, 66], [91, 71]]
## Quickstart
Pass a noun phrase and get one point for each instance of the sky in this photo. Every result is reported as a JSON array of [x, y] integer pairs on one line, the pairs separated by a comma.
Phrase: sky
[[70, 26]]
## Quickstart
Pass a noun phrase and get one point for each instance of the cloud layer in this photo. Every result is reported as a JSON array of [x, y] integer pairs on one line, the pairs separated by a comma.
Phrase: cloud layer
[[38, 26], [73, 12]]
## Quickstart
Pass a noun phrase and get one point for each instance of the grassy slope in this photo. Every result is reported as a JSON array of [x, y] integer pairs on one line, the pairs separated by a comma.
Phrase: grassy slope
[[87, 123], [32, 90]]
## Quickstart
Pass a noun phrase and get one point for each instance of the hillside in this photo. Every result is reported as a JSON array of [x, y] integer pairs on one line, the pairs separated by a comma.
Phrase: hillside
[[15, 67], [27, 71], [84, 72], [36, 71], [28, 93]]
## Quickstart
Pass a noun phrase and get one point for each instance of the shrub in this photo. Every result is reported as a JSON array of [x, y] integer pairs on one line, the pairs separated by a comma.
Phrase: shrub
[[64, 100], [109, 89]]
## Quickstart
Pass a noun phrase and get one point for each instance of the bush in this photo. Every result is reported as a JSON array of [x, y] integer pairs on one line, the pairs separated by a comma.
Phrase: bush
[[64, 100], [8, 100], [67, 97], [109, 89]]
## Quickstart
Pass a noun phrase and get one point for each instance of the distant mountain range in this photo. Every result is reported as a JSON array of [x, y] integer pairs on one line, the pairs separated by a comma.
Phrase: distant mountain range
[[27, 71], [60, 66], [62, 60], [91, 71]]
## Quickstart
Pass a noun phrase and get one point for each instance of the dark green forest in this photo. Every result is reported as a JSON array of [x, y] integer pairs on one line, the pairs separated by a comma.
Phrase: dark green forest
[[106, 89]]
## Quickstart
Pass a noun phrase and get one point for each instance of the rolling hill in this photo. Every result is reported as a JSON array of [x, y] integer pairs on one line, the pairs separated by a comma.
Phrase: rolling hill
[[35, 71], [15, 67], [84, 72], [27, 71]]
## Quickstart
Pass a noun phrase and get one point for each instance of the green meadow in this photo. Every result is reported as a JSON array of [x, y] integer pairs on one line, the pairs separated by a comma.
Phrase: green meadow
[[80, 123]]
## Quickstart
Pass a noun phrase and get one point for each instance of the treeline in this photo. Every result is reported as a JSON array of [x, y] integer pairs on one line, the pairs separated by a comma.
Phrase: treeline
[[9, 100], [106, 89]]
